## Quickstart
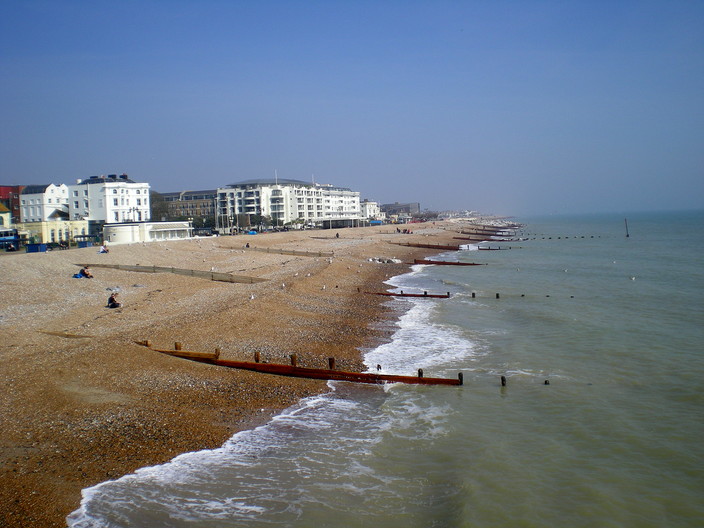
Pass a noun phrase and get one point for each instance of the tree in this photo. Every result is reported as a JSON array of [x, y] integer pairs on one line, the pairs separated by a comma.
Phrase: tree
[[159, 207]]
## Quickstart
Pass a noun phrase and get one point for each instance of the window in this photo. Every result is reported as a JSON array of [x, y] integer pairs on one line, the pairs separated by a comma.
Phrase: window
[[114, 202], [137, 191], [117, 218], [85, 192], [75, 193], [48, 200], [139, 201], [75, 204], [85, 204], [114, 191]]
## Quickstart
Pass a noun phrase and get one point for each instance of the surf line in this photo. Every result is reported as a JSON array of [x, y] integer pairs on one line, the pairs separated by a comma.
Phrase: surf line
[[294, 370]]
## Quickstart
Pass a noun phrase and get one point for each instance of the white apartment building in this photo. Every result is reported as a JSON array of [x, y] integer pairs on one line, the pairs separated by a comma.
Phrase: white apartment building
[[43, 203], [109, 199], [286, 201]]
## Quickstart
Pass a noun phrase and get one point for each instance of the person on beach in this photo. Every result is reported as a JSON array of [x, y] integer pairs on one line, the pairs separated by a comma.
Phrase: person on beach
[[85, 273], [104, 249], [112, 301]]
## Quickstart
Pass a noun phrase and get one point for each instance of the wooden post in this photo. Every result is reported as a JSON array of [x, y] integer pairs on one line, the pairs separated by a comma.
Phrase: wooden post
[[217, 353], [420, 373], [148, 343], [460, 377], [497, 295], [331, 363], [177, 345], [474, 295], [503, 381], [294, 360], [256, 357]]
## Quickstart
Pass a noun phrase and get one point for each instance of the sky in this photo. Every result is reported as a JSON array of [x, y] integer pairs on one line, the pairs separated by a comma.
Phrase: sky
[[505, 107]]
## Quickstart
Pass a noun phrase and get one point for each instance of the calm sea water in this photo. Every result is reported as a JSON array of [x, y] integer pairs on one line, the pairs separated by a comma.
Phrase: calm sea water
[[615, 439]]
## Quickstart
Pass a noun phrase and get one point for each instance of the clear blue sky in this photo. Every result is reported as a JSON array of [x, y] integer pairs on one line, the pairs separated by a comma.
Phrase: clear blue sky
[[505, 107]]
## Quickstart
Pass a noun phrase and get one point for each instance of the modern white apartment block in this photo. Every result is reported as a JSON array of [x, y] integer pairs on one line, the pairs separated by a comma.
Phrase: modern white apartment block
[[286, 201], [109, 199], [43, 203]]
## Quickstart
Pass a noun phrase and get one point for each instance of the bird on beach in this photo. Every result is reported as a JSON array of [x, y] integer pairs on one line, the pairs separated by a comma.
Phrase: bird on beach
[[251, 297]]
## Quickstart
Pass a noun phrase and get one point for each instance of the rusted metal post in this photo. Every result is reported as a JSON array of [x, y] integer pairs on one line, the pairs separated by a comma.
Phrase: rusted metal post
[[331, 363]]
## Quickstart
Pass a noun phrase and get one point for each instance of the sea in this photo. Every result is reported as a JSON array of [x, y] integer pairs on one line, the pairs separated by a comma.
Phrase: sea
[[600, 422]]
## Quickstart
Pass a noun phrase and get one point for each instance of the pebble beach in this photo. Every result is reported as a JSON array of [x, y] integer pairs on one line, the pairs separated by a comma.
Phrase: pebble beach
[[83, 401]]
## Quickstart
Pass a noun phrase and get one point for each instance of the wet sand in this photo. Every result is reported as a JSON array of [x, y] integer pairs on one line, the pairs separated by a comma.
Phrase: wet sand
[[82, 402]]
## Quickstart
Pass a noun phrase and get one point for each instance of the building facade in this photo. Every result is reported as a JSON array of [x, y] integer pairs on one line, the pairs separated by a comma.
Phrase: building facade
[[10, 198], [286, 201], [371, 210], [109, 199], [191, 204], [57, 230], [127, 233], [42, 203]]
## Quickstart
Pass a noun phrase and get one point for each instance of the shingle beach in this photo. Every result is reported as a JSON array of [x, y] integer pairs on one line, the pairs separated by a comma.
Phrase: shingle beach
[[82, 402]]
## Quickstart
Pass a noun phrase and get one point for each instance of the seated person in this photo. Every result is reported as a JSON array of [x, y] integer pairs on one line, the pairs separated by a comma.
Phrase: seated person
[[112, 301], [104, 249], [85, 273]]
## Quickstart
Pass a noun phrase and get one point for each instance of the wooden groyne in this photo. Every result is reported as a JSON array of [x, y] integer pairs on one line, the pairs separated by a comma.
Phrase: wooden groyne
[[212, 275], [293, 370], [472, 239], [447, 263], [428, 246], [424, 295], [293, 252]]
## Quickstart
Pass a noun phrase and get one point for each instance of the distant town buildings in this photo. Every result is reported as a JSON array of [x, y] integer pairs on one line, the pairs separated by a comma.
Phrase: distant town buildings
[[119, 209], [408, 209]]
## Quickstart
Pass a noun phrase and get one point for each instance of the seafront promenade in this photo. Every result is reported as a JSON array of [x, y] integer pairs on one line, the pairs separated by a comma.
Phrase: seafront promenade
[[83, 402]]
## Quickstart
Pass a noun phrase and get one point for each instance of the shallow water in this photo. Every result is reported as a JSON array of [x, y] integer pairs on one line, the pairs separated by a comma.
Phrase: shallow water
[[615, 324]]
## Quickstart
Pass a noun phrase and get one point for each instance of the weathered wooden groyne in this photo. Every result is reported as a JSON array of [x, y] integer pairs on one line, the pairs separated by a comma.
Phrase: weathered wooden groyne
[[428, 246], [212, 275], [425, 295], [447, 263], [293, 252], [293, 370]]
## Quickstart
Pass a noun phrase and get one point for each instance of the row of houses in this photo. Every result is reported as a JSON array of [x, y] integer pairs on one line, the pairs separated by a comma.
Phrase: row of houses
[[118, 209], [59, 213]]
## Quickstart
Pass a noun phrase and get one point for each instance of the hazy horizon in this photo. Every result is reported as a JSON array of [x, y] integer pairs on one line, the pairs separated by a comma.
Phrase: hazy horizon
[[510, 108]]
